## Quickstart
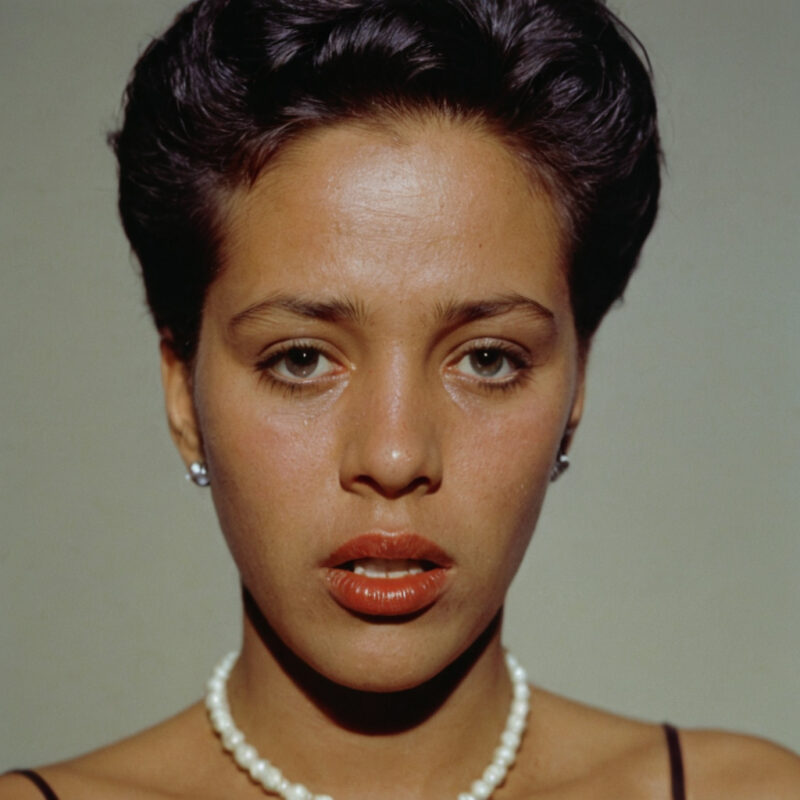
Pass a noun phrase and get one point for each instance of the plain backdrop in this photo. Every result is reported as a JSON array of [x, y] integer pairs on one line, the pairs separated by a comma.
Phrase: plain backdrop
[[663, 578]]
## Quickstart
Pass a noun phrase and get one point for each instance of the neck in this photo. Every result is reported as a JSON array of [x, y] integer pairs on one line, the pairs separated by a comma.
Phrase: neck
[[323, 734]]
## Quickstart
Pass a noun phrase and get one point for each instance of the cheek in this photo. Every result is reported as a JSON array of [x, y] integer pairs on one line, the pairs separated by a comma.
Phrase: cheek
[[502, 471], [266, 467], [511, 451], [249, 433]]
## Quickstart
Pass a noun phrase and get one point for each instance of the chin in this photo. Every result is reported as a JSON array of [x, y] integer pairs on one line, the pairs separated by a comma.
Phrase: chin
[[385, 669], [375, 654], [397, 656]]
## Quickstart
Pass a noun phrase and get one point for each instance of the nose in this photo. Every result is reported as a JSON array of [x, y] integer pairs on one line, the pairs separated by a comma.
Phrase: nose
[[392, 446]]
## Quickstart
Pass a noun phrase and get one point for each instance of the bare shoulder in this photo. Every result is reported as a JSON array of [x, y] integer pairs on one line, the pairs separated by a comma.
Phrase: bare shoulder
[[573, 750], [17, 787], [152, 764], [576, 750], [737, 767]]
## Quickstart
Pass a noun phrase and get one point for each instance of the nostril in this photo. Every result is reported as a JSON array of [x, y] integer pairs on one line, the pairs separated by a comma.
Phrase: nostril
[[391, 489], [423, 480]]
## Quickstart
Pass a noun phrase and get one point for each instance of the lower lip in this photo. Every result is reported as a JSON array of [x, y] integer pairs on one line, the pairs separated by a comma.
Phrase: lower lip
[[386, 597]]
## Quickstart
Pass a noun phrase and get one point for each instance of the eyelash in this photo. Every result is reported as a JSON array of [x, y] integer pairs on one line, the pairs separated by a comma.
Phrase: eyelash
[[265, 367], [519, 361]]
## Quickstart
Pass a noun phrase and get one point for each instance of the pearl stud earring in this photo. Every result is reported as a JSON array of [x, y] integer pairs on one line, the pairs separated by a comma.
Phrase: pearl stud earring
[[198, 474], [560, 467]]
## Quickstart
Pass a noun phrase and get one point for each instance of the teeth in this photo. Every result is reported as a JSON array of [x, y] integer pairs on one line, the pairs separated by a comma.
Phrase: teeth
[[386, 568]]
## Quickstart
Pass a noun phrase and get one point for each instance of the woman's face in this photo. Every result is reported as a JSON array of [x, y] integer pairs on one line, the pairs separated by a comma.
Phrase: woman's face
[[388, 354]]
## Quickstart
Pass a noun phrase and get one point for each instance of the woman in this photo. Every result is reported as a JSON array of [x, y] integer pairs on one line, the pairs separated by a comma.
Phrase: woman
[[377, 239]]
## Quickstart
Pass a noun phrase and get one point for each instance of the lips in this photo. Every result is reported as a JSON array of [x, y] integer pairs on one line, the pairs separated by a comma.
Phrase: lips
[[381, 574]]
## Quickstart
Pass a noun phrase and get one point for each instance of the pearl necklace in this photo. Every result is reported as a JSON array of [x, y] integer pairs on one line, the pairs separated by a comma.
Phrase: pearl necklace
[[271, 778]]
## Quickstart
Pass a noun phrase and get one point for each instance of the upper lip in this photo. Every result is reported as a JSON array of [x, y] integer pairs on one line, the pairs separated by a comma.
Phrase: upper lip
[[407, 546]]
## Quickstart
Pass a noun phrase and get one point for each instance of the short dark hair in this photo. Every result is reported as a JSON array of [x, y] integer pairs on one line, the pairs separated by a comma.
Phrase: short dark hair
[[232, 81]]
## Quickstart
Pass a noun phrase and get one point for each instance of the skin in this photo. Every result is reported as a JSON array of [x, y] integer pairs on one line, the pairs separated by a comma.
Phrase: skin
[[395, 422]]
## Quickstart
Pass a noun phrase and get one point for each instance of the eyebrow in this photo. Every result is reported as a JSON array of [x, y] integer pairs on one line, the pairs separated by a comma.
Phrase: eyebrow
[[333, 310], [459, 312], [451, 313]]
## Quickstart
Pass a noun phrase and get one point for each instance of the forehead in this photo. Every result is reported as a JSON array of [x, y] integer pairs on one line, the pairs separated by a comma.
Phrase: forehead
[[424, 203]]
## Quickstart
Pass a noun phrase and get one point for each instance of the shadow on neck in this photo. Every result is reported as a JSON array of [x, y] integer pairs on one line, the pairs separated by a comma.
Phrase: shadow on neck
[[373, 713]]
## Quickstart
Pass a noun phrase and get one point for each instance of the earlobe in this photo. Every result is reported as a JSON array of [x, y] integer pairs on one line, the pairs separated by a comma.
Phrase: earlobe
[[562, 462], [176, 378], [576, 412], [577, 406]]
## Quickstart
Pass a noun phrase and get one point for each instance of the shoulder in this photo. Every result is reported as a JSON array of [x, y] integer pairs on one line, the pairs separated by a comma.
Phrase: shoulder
[[599, 754], [728, 766], [17, 787], [173, 759], [575, 751]]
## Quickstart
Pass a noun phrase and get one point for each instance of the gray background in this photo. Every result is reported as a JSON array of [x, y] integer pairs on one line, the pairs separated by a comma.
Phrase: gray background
[[663, 579]]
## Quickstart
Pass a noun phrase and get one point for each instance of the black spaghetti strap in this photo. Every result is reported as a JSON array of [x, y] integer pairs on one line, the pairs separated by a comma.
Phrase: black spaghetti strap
[[41, 784], [675, 763]]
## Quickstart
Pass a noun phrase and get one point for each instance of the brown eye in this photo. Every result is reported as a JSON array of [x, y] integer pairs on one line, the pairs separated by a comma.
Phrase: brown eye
[[486, 362], [301, 363]]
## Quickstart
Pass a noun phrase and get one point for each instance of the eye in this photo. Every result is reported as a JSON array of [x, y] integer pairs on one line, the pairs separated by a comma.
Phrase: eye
[[299, 363], [488, 363]]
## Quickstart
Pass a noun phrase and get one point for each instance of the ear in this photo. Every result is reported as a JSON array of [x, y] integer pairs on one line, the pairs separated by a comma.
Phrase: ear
[[576, 412], [176, 378]]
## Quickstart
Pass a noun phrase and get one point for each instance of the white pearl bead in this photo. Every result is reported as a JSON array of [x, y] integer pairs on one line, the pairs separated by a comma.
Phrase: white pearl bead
[[223, 724], [297, 792], [272, 777], [494, 774], [322, 797], [504, 755], [520, 708], [522, 691], [466, 796], [245, 755], [481, 790], [516, 724], [258, 769], [232, 739], [510, 739]]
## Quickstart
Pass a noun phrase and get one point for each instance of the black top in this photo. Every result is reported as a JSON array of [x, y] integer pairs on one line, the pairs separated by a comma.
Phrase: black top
[[673, 747]]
